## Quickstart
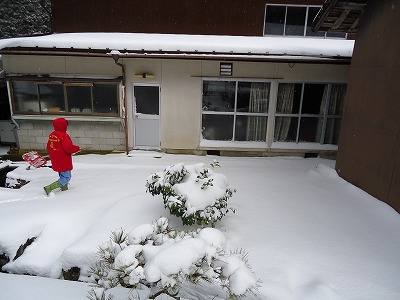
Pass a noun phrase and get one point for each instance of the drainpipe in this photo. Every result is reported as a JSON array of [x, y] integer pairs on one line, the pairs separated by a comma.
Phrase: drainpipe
[[115, 56], [12, 115]]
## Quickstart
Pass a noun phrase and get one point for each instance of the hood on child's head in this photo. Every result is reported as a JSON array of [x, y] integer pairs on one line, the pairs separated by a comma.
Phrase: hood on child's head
[[60, 124]]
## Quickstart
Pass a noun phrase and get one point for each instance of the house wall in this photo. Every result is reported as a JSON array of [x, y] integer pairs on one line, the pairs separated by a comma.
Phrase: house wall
[[181, 90], [46, 64], [33, 134], [181, 95], [369, 145], [106, 134], [220, 17]]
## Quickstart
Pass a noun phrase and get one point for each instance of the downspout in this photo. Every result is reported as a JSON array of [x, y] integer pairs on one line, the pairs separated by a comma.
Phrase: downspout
[[115, 56], [12, 115]]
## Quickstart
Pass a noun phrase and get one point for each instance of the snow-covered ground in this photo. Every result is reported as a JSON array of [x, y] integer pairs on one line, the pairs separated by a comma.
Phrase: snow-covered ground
[[309, 234]]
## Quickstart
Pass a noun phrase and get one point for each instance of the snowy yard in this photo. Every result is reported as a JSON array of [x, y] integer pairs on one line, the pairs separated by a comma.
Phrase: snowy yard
[[308, 233]]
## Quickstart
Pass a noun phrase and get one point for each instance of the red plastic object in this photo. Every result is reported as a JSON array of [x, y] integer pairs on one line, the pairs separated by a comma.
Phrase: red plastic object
[[34, 159]]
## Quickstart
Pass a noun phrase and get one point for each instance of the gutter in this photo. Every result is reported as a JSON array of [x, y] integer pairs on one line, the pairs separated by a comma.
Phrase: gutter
[[250, 56], [12, 115], [115, 56]]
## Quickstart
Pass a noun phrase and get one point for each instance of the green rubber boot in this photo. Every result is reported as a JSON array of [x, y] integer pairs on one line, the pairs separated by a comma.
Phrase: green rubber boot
[[52, 186], [64, 187]]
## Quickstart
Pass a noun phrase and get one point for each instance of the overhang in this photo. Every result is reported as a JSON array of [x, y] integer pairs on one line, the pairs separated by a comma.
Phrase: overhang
[[339, 16], [315, 50]]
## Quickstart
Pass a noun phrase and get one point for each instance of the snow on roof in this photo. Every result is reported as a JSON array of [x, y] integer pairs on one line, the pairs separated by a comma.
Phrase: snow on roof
[[131, 43]]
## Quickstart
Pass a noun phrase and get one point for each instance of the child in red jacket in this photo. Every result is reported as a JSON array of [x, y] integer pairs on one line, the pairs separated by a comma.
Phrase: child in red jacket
[[60, 149]]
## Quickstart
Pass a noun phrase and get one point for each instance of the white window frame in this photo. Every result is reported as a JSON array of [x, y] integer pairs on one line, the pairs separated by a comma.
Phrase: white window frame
[[234, 113], [271, 115], [301, 115]]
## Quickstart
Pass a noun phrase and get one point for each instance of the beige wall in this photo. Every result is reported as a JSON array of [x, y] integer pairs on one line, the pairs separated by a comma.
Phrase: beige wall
[[180, 99], [59, 65], [181, 105]]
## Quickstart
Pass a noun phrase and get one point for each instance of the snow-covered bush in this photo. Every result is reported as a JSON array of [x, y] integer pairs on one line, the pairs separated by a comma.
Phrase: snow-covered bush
[[195, 193], [156, 257]]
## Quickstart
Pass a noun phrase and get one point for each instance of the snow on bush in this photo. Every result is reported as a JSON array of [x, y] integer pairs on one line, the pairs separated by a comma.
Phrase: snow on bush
[[195, 193], [163, 259]]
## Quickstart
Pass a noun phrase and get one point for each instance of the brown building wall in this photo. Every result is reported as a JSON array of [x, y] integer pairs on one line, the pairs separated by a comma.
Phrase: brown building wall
[[369, 150], [219, 17]]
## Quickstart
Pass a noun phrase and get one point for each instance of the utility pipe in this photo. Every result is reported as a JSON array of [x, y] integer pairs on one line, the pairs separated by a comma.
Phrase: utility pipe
[[115, 56]]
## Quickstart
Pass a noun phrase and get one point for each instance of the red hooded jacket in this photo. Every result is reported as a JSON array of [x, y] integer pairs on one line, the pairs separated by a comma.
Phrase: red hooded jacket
[[60, 146]]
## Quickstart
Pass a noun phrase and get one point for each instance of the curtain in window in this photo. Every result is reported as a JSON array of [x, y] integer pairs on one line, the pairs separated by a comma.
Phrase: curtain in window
[[322, 110], [336, 101], [284, 106], [257, 125]]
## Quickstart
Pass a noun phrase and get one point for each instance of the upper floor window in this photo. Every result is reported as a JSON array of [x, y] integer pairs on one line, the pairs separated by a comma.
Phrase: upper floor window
[[290, 20], [72, 97]]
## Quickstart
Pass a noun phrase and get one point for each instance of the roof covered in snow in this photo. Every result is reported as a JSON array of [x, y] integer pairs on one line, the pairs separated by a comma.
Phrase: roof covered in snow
[[184, 46]]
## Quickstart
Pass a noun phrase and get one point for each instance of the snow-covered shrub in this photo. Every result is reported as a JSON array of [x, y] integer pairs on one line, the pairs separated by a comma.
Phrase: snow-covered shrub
[[195, 193], [156, 257]]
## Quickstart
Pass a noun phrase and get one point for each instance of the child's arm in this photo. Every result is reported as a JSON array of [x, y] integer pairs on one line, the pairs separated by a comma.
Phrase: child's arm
[[68, 146]]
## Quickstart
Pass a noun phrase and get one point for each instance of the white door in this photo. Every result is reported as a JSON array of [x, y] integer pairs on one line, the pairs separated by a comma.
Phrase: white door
[[146, 116]]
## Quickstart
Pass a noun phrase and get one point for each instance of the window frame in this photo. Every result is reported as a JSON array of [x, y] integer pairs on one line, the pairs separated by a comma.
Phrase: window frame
[[272, 114], [325, 35], [235, 113], [325, 116], [65, 83]]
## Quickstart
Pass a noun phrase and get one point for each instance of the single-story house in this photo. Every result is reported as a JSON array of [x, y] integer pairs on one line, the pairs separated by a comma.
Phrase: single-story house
[[180, 93]]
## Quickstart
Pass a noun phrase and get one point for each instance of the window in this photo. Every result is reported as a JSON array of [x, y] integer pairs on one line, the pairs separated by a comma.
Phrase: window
[[48, 97], [293, 21], [238, 111], [235, 110], [309, 112]]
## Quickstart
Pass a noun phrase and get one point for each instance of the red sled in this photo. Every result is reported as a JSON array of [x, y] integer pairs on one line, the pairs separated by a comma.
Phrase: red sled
[[34, 159]]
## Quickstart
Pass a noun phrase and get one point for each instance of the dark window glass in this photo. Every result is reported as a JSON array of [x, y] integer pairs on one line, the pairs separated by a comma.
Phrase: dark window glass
[[147, 100], [251, 128], [295, 20], [243, 97], [5, 113], [25, 97], [310, 129], [275, 20], [79, 99], [105, 98], [51, 98], [217, 127], [313, 99], [312, 12], [336, 34], [219, 95]]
